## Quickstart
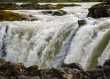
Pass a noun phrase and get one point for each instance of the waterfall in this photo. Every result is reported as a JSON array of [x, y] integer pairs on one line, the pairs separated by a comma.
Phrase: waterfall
[[36, 42], [53, 40], [88, 44]]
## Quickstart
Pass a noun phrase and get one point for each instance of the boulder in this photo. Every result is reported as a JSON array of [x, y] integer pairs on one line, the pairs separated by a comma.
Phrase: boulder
[[72, 66], [81, 22], [33, 71], [73, 71], [11, 69], [99, 10], [106, 68]]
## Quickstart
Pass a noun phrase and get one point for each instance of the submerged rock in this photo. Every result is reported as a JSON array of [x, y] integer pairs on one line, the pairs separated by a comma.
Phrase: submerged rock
[[55, 13], [81, 22], [59, 13]]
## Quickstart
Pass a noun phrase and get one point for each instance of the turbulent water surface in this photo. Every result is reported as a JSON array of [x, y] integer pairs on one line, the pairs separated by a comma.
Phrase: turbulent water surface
[[53, 40]]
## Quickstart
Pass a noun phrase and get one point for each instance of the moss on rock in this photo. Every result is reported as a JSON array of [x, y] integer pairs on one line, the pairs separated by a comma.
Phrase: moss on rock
[[11, 16]]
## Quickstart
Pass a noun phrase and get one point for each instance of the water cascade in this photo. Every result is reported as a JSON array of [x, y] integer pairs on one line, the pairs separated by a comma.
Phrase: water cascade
[[53, 40]]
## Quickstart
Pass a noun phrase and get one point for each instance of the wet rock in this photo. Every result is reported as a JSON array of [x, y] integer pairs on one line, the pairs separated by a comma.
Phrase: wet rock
[[27, 77], [106, 1], [2, 61], [73, 71], [10, 70], [99, 10], [11, 16], [47, 12], [53, 74], [81, 22], [106, 68], [96, 73], [72, 66], [2, 77], [55, 13], [107, 63], [59, 13], [33, 70]]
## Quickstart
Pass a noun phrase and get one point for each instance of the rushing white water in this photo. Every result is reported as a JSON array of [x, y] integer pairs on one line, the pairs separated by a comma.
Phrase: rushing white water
[[53, 40]]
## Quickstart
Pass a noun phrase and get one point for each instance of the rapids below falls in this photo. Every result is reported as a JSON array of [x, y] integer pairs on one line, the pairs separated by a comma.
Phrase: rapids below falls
[[52, 40]]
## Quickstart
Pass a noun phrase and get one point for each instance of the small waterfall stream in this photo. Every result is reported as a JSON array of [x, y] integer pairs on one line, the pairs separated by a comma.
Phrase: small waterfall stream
[[53, 40]]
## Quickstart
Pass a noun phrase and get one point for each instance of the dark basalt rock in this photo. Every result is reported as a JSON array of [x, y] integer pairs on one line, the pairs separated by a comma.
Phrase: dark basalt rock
[[72, 66], [10, 70], [106, 1], [55, 13], [53, 74], [81, 22], [107, 63], [33, 71], [99, 10], [59, 13], [106, 68], [73, 71]]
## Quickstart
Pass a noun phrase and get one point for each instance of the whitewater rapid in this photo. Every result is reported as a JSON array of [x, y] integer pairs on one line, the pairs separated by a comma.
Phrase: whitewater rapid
[[53, 40]]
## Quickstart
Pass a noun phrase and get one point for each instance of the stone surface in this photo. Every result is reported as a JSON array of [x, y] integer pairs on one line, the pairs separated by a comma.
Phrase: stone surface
[[99, 10], [10, 70]]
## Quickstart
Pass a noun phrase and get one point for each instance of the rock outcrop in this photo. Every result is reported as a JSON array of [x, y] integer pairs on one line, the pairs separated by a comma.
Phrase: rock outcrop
[[10, 70], [100, 10]]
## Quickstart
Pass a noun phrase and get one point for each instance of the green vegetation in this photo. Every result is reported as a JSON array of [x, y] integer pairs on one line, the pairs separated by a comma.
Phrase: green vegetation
[[11, 16], [49, 1]]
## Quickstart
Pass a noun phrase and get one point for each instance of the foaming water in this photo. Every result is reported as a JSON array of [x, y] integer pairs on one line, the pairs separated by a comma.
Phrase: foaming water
[[53, 40]]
